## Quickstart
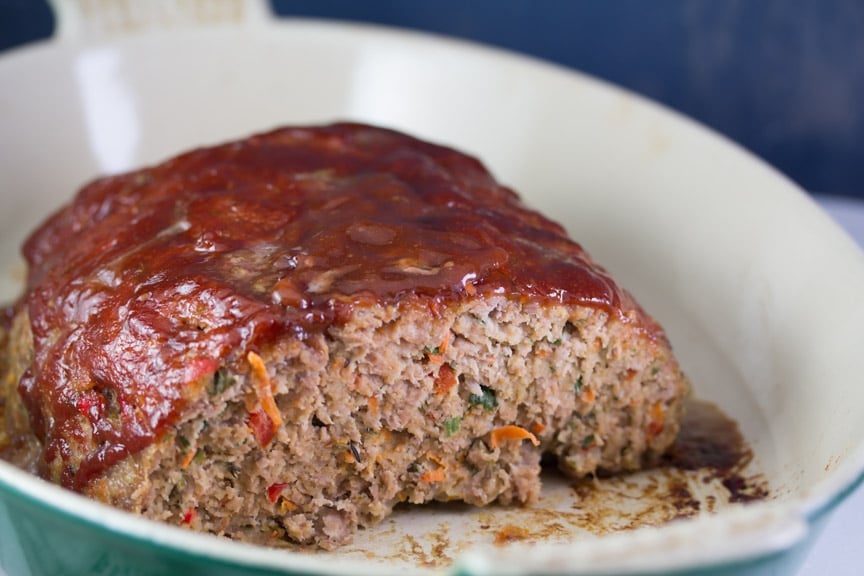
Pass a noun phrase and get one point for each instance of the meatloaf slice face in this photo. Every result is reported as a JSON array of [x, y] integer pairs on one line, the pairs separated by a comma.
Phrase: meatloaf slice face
[[282, 338]]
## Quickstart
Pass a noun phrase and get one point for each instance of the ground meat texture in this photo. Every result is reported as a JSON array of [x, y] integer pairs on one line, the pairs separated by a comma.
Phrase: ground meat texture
[[282, 338]]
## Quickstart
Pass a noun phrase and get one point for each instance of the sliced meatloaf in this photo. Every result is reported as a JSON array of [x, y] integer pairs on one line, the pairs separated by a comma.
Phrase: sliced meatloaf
[[282, 338]]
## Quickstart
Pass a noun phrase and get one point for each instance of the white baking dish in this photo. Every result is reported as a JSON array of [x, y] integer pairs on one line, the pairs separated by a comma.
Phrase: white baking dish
[[760, 293]]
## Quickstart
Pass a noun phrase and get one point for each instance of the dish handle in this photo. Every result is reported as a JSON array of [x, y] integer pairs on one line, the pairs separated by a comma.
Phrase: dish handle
[[98, 20]]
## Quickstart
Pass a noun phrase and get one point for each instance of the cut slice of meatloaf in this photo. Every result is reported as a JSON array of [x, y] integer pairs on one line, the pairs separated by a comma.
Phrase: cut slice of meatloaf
[[283, 337]]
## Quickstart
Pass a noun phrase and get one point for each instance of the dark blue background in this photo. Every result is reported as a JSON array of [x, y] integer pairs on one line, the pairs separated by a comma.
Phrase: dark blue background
[[785, 78]]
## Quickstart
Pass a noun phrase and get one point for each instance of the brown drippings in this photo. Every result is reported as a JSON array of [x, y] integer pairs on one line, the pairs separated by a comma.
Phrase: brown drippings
[[710, 441], [431, 550]]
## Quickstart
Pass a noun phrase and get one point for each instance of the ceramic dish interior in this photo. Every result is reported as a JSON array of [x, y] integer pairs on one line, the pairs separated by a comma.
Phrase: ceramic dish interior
[[758, 290]]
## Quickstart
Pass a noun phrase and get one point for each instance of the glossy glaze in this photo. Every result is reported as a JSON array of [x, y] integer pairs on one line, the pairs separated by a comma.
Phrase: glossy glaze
[[151, 280]]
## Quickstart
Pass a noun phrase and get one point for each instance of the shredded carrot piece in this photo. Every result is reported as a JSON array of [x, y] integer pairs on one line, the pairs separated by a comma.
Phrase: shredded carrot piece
[[435, 358], [470, 289], [655, 425], [373, 405], [187, 458], [436, 458], [264, 389], [503, 433], [437, 475], [445, 343], [434, 307], [538, 427], [445, 380], [355, 385], [588, 396]]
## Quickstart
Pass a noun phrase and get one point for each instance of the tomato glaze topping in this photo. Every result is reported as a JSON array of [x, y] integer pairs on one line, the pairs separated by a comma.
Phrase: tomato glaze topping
[[150, 281]]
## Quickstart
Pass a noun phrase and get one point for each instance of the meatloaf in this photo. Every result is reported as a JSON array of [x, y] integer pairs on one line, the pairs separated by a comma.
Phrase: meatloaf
[[284, 337]]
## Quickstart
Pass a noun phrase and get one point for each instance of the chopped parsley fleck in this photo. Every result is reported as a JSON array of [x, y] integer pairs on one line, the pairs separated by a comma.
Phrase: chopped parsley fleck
[[588, 441], [432, 350], [655, 370], [552, 368], [578, 385], [451, 425], [183, 442], [557, 342], [222, 380], [486, 398]]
